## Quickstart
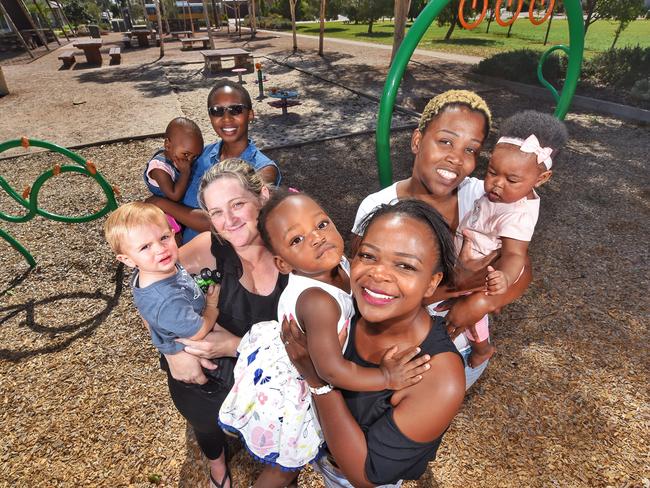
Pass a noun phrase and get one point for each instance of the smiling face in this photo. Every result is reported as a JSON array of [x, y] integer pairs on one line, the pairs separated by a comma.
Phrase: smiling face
[[512, 174], [233, 211], [183, 146], [231, 128], [394, 268], [152, 249], [447, 150], [303, 237]]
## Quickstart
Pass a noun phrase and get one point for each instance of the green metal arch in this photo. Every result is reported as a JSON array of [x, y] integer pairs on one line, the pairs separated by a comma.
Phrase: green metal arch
[[31, 204], [573, 10]]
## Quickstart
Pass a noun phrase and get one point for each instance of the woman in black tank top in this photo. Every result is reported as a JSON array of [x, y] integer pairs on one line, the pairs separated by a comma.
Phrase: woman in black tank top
[[232, 195], [380, 438]]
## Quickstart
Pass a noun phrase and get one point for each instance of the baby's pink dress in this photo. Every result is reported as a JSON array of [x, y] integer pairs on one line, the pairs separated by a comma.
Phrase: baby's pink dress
[[487, 223]]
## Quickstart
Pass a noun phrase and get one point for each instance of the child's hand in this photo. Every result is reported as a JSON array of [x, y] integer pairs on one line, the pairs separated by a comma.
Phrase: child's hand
[[212, 296], [496, 281], [183, 165], [400, 369]]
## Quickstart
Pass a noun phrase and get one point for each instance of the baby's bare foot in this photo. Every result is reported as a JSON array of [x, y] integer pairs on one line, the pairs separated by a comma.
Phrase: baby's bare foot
[[476, 359]]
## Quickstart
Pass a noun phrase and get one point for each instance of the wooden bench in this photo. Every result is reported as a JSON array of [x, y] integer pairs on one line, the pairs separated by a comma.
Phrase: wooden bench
[[189, 43], [68, 58], [115, 54]]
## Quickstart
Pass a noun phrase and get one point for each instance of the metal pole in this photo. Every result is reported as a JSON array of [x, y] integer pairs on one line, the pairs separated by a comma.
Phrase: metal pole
[[15, 29]]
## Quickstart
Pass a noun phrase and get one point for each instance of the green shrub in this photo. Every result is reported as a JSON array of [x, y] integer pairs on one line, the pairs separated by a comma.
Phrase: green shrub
[[641, 90], [619, 68], [521, 66], [272, 21]]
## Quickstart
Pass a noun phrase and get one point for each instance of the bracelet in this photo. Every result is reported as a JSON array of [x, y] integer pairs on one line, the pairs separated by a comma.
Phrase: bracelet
[[321, 390]]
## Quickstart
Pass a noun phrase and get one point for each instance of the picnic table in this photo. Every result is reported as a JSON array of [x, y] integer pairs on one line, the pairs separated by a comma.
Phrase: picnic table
[[143, 36], [189, 42], [213, 57], [285, 99], [91, 50], [177, 34]]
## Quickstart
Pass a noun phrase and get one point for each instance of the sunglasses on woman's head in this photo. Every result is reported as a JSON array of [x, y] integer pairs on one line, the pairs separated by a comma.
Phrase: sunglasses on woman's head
[[220, 111]]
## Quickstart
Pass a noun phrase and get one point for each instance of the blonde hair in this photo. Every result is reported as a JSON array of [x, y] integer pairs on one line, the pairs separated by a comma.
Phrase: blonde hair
[[235, 168], [129, 216], [465, 98]]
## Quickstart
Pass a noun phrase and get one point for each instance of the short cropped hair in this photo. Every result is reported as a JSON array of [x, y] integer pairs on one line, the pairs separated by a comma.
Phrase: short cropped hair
[[128, 217], [183, 124], [245, 96], [455, 98]]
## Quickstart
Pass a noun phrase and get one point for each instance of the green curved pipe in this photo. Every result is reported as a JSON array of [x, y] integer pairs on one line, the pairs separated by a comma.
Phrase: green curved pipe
[[31, 204], [573, 10]]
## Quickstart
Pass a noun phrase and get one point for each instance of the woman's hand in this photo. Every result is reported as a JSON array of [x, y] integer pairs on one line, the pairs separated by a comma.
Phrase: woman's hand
[[295, 344], [217, 344], [187, 368]]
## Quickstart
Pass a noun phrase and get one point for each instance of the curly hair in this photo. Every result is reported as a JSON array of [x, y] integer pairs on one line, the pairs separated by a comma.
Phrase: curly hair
[[455, 98], [550, 131], [425, 213]]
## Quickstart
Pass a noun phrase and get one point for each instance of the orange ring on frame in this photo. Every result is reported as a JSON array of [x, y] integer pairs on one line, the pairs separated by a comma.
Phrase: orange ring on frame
[[549, 11], [497, 15], [474, 24]]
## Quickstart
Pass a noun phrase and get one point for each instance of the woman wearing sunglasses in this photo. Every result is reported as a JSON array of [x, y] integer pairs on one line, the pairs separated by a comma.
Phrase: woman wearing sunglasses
[[231, 110]]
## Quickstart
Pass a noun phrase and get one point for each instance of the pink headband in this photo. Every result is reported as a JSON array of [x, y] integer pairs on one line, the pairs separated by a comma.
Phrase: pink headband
[[531, 146]]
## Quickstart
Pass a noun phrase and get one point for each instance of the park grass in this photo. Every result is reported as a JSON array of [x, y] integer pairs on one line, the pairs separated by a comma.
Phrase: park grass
[[479, 43]]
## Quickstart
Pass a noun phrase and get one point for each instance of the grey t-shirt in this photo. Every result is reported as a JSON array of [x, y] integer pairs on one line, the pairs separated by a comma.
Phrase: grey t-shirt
[[172, 307]]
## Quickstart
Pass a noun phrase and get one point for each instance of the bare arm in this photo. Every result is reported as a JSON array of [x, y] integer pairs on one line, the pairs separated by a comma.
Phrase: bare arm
[[466, 311], [197, 254], [269, 174], [508, 267], [318, 312], [210, 313], [416, 416], [190, 217], [173, 190]]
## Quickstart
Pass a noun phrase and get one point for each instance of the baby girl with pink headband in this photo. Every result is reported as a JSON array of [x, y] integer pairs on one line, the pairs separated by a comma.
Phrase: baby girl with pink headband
[[505, 216]]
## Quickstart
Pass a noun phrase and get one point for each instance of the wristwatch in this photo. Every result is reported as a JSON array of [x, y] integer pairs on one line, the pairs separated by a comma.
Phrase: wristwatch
[[321, 390]]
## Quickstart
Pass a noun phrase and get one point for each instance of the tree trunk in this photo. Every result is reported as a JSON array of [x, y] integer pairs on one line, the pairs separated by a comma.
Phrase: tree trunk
[[490, 19], [253, 19], [323, 8], [452, 26], [156, 4], [207, 23], [548, 27], [292, 7], [401, 12], [509, 29], [618, 33], [590, 13], [370, 25]]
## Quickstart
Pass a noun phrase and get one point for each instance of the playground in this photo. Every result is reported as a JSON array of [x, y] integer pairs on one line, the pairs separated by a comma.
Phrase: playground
[[564, 402]]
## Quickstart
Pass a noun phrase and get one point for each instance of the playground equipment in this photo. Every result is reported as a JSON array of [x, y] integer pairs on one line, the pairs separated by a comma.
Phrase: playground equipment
[[29, 196], [574, 52], [260, 81]]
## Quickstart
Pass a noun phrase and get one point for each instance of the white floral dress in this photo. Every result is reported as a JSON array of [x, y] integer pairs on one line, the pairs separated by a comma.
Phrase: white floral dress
[[269, 406]]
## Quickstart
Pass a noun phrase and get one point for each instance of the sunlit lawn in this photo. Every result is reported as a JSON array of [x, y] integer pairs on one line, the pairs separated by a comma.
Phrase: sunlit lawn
[[476, 42]]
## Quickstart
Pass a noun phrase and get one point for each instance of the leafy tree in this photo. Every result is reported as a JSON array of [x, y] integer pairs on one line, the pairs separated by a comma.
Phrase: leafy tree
[[623, 11], [449, 15], [416, 7], [76, 12]]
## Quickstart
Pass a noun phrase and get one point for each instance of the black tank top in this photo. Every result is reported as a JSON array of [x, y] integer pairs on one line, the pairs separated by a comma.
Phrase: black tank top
[[391, 455], [239, 309]]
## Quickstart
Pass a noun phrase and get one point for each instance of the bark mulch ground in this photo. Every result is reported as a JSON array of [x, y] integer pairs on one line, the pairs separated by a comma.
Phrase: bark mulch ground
[[564, 403]]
